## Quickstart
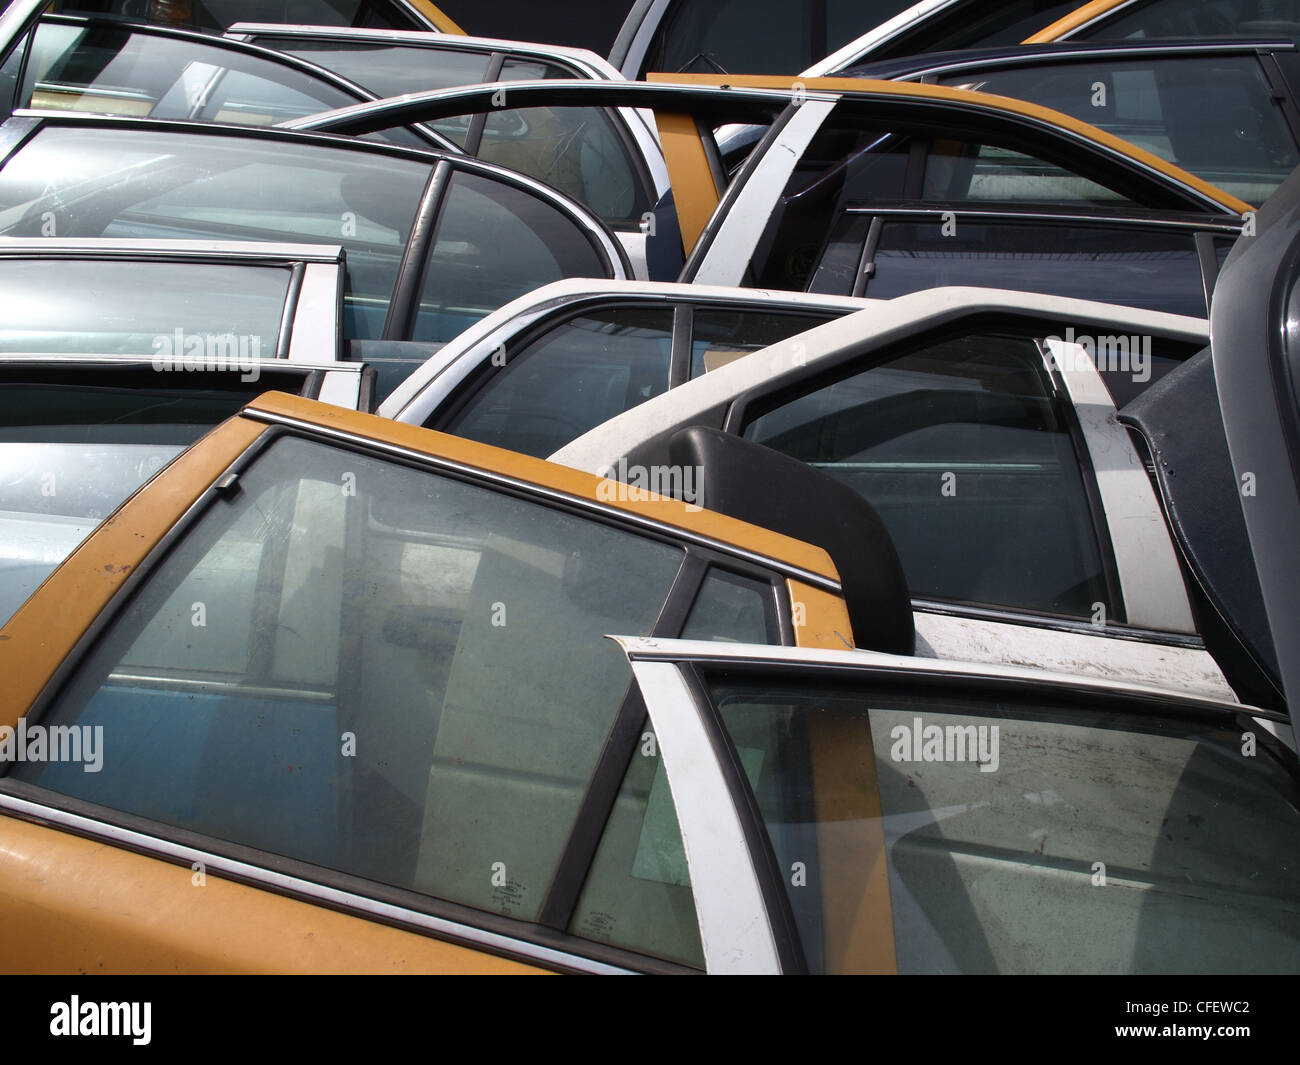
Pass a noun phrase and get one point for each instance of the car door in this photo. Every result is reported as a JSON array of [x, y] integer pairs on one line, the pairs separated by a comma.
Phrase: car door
[[1225, 113], [545, 379], [992, 454], [358, 665], [434, 241], [169, 298], [809, 187], [911, 817]]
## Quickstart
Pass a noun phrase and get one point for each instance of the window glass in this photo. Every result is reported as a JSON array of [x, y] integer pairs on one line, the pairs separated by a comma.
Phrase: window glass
[[101, 307], [1196, 18], [222, 14], [111, 70], [521, 69], [733, 609], [578, 150], [637, 894], [1015, 830], [837, 270], [849, 165], [962, 449], [137, 183], [373, 668], [387, 69], [9, 75], [1158, 269], [70, 453], [1211, 115], [576, 376], [721, 336], [975, 22], [495, 242]]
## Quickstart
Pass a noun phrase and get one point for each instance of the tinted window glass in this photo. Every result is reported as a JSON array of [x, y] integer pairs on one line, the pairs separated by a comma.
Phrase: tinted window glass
[[110, 70], [495, 242], [1196, 18], [849, 165], [71, 453], [734, 609], [1152, 268], [760, 36], [129, 183], [372, 668], [222, 14], [579, 150], [975, 22], [720, 337], [388, 69], [574, 377], [1211, 115], [1014, 831], [963, 451], [140, 308], [638, 891]]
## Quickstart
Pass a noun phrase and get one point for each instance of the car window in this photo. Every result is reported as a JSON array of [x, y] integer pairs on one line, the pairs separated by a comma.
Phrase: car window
[[71, 182], [722, 336], [374, 668], [637, 894], [1214, 116], [733, 609], [111, 69], [71, 451], [100, 307], [1196, 18], [1017, 827], [495, 242], [848, 165], [970, 23], [763, 37], [576, 375], [387, 69], [222, 14], [963, 449], [1155, 268], [579, 150]]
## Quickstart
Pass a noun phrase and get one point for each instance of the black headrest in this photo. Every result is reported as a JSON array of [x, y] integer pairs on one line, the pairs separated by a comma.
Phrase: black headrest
[[764, 487]]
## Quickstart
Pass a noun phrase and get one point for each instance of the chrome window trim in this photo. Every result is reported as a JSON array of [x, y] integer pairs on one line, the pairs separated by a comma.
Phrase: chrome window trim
[[438, 462], [732, 244], [304, 890], [1151, 579], [147, 248], [735, 928]]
